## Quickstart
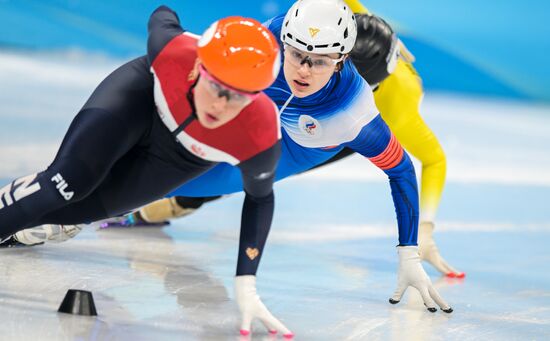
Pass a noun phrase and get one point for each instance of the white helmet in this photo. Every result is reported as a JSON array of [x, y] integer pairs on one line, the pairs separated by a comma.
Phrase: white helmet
[[320, 26]]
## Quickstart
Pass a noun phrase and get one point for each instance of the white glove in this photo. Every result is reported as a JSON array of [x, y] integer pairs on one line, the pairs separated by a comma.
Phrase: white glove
[[411, 273], [430, 253], [252, 307]]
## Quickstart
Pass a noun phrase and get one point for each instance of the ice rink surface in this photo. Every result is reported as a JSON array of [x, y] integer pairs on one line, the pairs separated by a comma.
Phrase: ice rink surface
[[330, 264]]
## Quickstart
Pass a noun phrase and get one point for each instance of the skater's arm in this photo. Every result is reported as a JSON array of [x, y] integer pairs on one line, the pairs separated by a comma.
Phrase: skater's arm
[[379, 145], [258, 175]]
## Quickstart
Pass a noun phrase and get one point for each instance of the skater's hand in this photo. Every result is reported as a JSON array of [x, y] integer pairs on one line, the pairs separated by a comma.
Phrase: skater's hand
[[252, 307], [429, 252], [411, 273]]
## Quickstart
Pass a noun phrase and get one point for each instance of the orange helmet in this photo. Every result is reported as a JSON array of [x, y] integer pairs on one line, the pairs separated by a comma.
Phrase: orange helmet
[[241, 53]]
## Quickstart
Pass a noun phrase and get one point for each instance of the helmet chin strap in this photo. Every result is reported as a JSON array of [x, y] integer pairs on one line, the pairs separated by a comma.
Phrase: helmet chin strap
[[191, 98]]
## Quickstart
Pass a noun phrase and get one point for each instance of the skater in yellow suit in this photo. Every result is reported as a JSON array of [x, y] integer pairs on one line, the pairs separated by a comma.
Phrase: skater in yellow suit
[[398, 93], [398, 98]]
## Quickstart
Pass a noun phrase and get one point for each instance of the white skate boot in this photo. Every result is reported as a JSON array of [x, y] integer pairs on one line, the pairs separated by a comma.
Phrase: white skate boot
[[44, 233]]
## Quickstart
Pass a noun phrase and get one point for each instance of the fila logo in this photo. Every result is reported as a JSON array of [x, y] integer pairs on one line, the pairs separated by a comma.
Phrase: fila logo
[[62, 186], [21, 188]]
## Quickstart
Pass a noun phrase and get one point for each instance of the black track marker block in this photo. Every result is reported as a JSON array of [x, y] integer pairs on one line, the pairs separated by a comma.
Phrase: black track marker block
[[78, 302]]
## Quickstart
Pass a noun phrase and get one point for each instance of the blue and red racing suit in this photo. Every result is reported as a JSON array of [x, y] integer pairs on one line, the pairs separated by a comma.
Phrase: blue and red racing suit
[[139, 127], [315, 128]]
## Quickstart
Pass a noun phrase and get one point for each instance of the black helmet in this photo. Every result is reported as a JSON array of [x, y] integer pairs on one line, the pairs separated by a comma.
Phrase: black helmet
[[375, 48]]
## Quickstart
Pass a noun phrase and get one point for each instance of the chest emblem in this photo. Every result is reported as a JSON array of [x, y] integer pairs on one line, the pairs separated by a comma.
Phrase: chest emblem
[[309, 125]]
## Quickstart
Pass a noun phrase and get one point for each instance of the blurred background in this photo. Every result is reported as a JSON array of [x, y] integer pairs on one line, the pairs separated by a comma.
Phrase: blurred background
[[492, 48], [487, 60]]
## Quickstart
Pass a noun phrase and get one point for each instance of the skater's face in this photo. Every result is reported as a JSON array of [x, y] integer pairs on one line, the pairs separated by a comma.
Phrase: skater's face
[[216, 103], [307, 73]]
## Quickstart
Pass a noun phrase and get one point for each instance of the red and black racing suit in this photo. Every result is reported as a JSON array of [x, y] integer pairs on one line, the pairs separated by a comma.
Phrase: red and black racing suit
[[118, 153]]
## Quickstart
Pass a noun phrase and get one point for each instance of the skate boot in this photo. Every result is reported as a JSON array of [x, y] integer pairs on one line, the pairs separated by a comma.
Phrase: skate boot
[[40, 234]]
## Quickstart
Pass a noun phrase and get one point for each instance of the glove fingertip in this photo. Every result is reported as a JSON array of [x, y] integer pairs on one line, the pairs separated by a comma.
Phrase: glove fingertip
[[455, 275], [448, 310], [245, 332], [392, 301], [273, 332], [288, 336], [432, 310]]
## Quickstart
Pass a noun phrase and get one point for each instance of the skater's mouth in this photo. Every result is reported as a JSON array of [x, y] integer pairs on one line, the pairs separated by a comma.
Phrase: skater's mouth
[[301, 83], [211, 118]]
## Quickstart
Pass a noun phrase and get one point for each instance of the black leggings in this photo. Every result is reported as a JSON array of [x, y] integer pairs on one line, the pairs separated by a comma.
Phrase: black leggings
[[117, 155]]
